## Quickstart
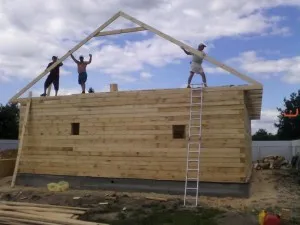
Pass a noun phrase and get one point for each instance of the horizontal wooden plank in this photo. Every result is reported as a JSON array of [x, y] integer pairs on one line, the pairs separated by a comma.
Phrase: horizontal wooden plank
[[155, 153], [146, 161], [139, 174], [134, 94], [168, 133], [229, 143], [101, 114], [207, 103]]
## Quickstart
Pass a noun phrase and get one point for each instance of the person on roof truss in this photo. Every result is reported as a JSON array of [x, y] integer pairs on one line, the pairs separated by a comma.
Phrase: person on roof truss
[[196, 65], [53, 77], [81, 67]]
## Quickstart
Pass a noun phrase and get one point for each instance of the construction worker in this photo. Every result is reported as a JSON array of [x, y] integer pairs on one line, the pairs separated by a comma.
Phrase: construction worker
[[53, 77], [81, 67], [196, 65]]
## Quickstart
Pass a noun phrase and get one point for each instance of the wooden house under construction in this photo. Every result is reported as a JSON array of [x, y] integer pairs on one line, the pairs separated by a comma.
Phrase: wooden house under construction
[[138, 140]]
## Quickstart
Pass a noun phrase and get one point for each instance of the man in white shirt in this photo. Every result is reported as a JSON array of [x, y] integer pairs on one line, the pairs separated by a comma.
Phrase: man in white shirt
[[196, 65]]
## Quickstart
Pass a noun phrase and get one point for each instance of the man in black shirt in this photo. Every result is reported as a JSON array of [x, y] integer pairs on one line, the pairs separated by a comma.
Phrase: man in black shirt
[[53, 77]]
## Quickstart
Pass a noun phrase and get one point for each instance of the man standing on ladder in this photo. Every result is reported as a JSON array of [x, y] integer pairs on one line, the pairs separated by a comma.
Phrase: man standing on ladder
[[196, 65], [81, 66]]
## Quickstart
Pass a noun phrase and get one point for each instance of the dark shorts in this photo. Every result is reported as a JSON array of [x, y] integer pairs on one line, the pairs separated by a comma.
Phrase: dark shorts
[[52, 79], [82, 77]]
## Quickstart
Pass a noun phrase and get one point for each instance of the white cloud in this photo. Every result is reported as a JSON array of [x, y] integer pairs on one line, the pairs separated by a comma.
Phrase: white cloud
[[32, 31], [288, 68], [3, 78], [268, 118], [145, 75], [106, 88]]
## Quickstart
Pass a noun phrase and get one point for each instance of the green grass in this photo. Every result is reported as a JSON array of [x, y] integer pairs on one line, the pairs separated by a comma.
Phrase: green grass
[[161, 216]]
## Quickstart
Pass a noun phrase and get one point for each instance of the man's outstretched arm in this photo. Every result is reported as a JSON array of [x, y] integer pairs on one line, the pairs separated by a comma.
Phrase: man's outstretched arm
[[90, 59], [75, 60], [186, 52]]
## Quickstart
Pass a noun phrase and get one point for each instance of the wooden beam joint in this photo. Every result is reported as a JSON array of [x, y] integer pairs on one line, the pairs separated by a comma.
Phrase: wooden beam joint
[[120, 31]]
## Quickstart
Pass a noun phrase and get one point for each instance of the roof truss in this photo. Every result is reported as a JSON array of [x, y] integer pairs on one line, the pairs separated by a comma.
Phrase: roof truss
[[142, 27]]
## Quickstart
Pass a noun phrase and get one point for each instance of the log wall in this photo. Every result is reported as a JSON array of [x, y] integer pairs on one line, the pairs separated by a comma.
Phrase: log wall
[[131, 135]]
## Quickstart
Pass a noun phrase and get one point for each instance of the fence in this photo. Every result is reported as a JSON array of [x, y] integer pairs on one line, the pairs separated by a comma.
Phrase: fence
[[260, 149], [286, 149]]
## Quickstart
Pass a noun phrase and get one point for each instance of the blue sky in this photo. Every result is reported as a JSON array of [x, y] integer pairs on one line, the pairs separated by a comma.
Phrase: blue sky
[[258, 38]]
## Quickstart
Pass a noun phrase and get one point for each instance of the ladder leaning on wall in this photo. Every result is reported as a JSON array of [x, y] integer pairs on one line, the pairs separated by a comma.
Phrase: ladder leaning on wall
[[194, 145]]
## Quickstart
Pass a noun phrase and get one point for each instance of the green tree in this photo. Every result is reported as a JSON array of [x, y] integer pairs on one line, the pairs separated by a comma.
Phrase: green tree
[[263, 135], [289, 128], [9, 121]]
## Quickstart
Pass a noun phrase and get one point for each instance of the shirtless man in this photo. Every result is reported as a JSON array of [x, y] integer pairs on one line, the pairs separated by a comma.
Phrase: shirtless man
[[196, 65], [81, 67]]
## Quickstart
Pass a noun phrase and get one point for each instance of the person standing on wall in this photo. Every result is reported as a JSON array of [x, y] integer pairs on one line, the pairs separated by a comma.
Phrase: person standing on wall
[[196, 65], [81, 67], [53, 77]]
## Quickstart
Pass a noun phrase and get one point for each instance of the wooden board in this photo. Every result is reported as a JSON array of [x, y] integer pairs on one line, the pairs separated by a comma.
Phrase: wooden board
[[20, 146], [7, 167]]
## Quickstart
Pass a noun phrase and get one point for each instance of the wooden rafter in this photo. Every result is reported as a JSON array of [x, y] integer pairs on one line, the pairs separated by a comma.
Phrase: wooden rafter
[[142, 27], [104, 25], [121, 31], [190, 49]]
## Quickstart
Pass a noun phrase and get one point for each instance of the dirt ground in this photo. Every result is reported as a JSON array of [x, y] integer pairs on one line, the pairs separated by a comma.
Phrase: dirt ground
[[272, 190]]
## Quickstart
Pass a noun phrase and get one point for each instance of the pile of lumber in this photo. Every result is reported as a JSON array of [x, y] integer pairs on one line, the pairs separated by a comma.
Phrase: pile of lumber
[[271, 162], [18, 213]]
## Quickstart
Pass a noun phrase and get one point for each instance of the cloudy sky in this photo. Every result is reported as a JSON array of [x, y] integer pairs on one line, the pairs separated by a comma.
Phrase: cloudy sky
[[257, 37]]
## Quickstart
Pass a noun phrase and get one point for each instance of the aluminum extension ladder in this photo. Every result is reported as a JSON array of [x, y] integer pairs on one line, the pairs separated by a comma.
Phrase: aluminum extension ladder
[[191, 189]]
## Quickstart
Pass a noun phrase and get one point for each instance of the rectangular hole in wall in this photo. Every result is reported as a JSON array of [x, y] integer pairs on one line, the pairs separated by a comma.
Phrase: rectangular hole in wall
[[178, 131], [75, 128]]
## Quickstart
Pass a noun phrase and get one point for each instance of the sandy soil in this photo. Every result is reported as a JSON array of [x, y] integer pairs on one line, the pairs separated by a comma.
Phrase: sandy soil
[[271, 190]]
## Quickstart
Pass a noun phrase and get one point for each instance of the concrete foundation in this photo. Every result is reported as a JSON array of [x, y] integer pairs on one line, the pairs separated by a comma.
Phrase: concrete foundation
[[136, 185]]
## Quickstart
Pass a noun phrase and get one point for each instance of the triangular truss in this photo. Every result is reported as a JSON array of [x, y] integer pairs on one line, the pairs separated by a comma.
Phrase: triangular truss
[[142, 27]]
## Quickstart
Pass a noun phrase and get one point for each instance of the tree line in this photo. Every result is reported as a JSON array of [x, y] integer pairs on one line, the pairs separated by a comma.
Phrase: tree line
[[287, 128]]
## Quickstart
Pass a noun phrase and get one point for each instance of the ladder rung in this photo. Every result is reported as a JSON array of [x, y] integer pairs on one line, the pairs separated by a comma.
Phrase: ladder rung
[[193, 160], [192, 178], [196, 96], [195, 126], [190, 197], [192, 188], [195, 135], [194, 151], [197, 103], [193, 169]]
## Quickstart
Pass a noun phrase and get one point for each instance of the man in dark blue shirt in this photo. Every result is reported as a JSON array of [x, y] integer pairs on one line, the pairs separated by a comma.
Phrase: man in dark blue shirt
[[53, 77]]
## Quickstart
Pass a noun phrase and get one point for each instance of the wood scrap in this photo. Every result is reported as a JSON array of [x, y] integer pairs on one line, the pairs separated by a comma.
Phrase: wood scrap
[[23, 221], [41, 205], [157, 199], [42, 214]]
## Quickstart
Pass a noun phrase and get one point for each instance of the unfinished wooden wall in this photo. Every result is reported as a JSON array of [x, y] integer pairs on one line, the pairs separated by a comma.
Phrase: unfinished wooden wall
[[130, 135]]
